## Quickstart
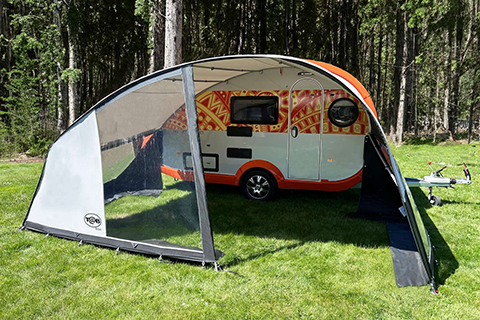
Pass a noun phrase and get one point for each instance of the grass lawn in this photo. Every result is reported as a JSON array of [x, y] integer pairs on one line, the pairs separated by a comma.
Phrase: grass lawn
[[300, 256]]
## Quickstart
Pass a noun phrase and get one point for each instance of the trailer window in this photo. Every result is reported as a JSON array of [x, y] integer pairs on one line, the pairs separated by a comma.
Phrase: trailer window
[[343, 112], [254, 110]]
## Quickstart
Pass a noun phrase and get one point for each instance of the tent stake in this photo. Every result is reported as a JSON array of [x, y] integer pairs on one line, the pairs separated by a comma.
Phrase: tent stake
[[80, 243], [21, 228], [218, 267], [48, 234], [160, 259], [434, 289], [117, 251]]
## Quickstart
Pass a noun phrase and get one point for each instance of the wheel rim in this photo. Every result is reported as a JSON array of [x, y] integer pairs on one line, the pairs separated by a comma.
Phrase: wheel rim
[[258, 187]]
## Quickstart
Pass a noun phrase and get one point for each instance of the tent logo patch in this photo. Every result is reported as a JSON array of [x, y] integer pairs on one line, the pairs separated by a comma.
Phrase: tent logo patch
[[92, 220]]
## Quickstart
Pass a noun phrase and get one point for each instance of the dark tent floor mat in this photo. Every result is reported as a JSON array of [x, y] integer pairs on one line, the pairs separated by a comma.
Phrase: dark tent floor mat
[[398, 228], [406, 260], [375, 216]]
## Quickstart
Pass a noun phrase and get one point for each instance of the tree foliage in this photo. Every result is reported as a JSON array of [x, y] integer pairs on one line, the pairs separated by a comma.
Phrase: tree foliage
[[440, 58]]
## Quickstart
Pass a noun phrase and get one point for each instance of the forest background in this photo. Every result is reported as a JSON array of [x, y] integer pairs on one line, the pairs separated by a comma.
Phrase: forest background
[[418, 59]]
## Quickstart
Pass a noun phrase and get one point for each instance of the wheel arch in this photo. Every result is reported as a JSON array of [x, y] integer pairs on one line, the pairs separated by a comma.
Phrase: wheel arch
[[259, 165]]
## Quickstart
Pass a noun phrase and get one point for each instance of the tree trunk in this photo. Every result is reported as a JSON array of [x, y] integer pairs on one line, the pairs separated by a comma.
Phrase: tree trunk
[[2, 17], [470, 118], [57, 20], [386, 105], [333, 32], [379, 72], [234, 20], [447, 77], [173, 33], [243, 19], [475, 104], [416, 51], [409, 74], [286, 25], [403, 82], [352, 38], [6, 50], [261, 9], [399, 73], [72, 81], [371, 67], [60, 105], [158, 35], [456, 72], [248, 28], [435, 109], [294, 28], [343, 18]]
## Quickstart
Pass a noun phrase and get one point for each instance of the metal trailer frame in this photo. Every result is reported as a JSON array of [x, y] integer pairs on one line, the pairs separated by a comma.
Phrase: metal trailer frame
[[436, 179]]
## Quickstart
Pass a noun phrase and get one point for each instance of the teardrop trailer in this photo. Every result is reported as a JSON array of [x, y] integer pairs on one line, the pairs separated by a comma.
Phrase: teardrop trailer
[[259, 121], [303, 137]]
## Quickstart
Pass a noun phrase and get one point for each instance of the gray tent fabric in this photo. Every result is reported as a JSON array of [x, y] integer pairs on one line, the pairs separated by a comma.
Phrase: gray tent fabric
[[132, 170], [99, 156]]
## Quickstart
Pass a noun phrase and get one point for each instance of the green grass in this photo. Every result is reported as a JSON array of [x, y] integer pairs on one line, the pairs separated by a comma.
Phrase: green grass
[[300, 256], [173, 216]]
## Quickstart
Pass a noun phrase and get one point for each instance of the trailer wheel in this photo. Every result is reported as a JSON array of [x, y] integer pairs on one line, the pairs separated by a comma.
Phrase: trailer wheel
[[435, 201], [259, 185]]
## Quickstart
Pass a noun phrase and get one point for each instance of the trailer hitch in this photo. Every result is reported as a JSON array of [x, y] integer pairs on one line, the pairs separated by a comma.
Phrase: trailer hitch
[[436, 179], [435, 200]]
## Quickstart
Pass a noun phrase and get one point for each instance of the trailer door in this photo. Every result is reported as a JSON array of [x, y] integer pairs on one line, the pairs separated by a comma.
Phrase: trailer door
[[305, 119]]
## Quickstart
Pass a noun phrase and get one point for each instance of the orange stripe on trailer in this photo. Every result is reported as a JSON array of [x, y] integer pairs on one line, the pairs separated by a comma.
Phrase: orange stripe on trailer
[[178, 174], [352, 80], [323, 185], [220, 178], [234, 180]]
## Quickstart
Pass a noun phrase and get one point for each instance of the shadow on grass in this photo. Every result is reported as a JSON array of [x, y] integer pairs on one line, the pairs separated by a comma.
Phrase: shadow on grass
[[446, 202], [303, 216], [447, 264], [265, 252]]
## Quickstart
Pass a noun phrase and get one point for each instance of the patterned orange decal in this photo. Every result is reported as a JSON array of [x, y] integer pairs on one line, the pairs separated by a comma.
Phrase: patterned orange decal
[[213, 108]]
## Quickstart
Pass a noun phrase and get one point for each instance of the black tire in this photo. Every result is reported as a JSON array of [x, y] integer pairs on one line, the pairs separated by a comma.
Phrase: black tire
[[259, 185], [436, 201]]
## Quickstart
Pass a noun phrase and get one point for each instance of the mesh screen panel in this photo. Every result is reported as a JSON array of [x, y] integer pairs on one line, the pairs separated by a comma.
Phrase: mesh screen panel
[[149, 188]]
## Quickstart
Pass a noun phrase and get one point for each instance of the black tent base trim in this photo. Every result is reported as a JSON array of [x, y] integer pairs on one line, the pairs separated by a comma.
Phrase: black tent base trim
[[166, 249]]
